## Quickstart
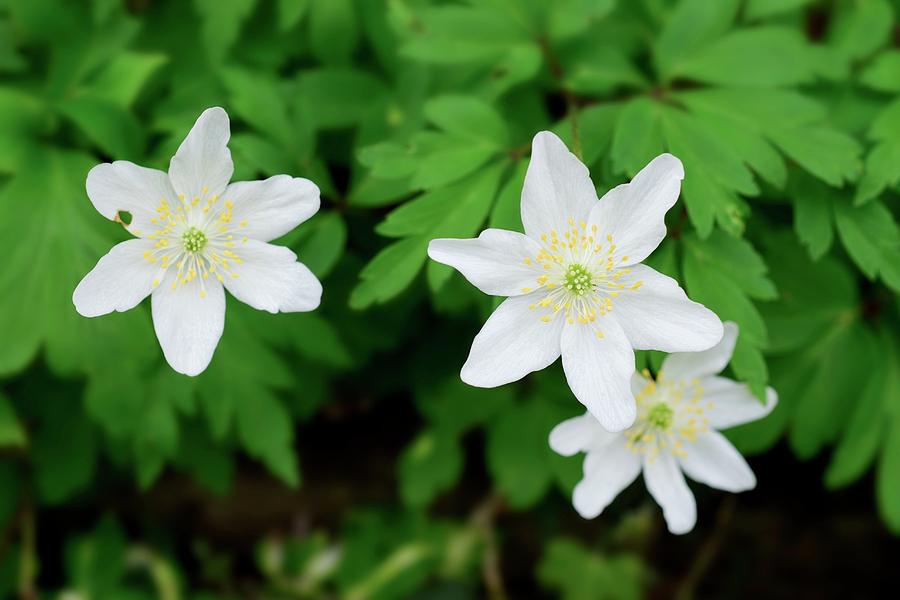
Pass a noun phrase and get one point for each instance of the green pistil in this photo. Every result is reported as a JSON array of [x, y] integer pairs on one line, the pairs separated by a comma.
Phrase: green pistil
[[660, 415], [194, 240], [578, 280]]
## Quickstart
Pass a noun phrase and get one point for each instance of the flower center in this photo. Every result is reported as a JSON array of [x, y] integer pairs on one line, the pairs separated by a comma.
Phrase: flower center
[[670, 416], [660, 415], [580, 274], [578, 279], [193, 239], [196, 238]]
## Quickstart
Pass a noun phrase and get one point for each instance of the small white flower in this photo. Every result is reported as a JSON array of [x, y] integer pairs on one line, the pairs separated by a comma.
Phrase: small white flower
[[575, 285], [195, 235], [675, 431]]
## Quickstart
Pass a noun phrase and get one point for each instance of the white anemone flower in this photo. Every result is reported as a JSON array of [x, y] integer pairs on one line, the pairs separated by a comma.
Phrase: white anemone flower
[[196, 235], [676, 433], [575, 285]]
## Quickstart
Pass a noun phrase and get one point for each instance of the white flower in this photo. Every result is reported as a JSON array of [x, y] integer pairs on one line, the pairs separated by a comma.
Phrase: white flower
[[195, 235], [575, 284], [676, 431]]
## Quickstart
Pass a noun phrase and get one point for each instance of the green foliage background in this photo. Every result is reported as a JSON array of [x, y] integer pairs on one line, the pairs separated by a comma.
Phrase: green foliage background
[[415, 119]]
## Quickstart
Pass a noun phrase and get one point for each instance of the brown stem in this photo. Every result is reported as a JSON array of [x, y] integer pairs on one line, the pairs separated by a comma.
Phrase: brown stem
[[28, 553], [558, 74], [482, 519], [708, 551]]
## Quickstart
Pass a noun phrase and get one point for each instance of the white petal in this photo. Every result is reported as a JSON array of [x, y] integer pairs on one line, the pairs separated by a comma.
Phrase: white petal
[[203, 159], [268, 209], [691, 365], [187, 325], [638, 383], [606, 474], [271, 279], [714, 461], [557, 187], [733, 403], [494, 262], [579, 434], [659, 316], [634, 213], [513, 342], [599, 371], [666, 484], [118, 282], [124, 186]]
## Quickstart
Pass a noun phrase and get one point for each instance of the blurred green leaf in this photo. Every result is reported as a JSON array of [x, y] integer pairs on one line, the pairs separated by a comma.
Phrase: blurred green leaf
[[431, 464], [579, 574], [11, 431]]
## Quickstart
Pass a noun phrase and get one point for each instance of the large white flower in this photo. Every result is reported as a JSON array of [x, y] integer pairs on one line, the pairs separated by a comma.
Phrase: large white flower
[[196, 235], [675, 432], [575, 285]]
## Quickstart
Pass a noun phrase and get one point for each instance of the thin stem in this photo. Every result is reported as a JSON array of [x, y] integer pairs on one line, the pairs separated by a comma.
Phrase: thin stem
[[28, 563], [708, 551], [483, 518], [161, 572], [558, 74]]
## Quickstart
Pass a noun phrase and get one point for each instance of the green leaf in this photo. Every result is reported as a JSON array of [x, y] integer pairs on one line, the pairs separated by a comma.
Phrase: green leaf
[[830, 155], [431, 464], [518, 455], [462, 34], [11, 431], [264, 429], [692, 26], [869, 234], [321, 242], [507, 209], [222, 23], [121, 80], [712, 274], [454, 408], [637, 138], [825, 405], [883, 74], [71, 236], [596, 67], [863, 435], [468, 118], [64, 452], [390, 272], [96, 562], [446, 159], [258, 100], [333, 31], [714, 174], [860, 28], [815, 296], [813, 214], [290, 12], [339, 96], [579, 574], [389, 160], [887, 483], [880, 169], [458, 211], [112, 129], [768, 56], [792, 122], [761, 9]]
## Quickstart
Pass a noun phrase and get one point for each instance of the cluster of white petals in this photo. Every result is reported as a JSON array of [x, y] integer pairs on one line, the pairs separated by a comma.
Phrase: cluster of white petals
[[676, 433], [575, 285], [196, 235]]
